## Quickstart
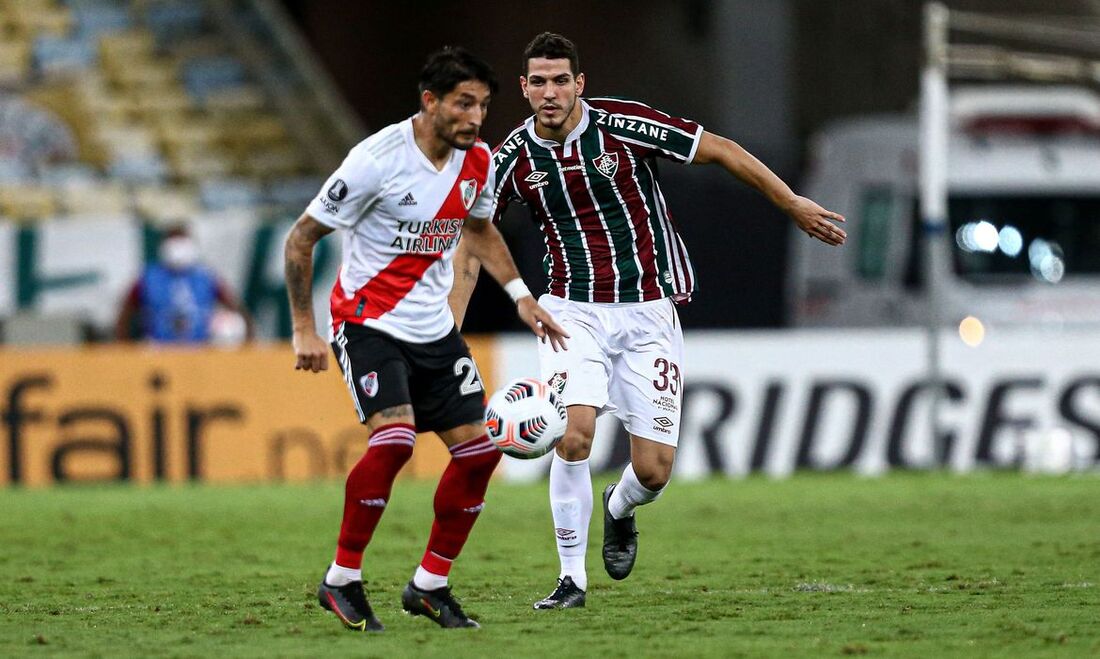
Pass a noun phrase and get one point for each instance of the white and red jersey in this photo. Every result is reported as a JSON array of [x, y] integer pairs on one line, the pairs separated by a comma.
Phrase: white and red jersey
[[402, 219]]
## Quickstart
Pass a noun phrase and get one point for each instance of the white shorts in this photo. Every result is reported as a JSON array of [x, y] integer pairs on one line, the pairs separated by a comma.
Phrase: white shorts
[[626, 359]]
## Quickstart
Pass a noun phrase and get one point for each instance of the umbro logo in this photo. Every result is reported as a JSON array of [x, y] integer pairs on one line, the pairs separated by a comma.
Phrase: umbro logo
[[407, 200], [663, 421], [373, 503], [535, 176]]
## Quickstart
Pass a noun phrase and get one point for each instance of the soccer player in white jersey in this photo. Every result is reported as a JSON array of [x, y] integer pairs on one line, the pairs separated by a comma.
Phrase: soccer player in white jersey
[[401, 197], [616, 266]]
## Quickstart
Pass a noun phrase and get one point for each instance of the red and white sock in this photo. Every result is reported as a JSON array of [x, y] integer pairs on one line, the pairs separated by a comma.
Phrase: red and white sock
[[367, 492], [458, 501]]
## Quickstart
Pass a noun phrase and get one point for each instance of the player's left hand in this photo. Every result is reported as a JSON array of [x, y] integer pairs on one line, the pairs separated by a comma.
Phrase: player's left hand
[[541, 322], [815, 221]]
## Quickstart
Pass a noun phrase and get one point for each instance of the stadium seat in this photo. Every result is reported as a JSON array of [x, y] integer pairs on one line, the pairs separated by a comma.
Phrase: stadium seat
[[163, 104], [55, 55], [27, 202], [165, 205], [94, 18], [69, 175], [204, 75], [140, 76], [29, 18], [172, 21], [15, 61], [154, 95], [13, 170], [222, 194], [190, 166], [293, 193], [228, 103], [97, 198]]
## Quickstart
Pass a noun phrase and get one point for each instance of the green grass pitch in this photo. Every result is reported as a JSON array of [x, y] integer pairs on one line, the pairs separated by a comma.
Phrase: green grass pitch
[[916, 565]]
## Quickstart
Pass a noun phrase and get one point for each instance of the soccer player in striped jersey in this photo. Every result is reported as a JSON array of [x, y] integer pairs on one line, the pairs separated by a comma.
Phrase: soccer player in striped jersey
[[400, 198], [617, 266]]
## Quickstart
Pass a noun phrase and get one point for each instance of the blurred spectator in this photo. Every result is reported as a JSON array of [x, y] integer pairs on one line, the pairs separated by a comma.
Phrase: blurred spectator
[[175, 300], [32, 135]]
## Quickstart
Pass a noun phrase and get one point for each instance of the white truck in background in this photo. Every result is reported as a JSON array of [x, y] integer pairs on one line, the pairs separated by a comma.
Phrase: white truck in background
[[1023, 226]]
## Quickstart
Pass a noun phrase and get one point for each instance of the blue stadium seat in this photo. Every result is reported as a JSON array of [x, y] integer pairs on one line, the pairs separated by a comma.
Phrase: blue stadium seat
[[53, 54], [222, 194], [13, 170], [203, 75], [58, 176], [173, 20], [92, 19], [138, 169], [293, 193]]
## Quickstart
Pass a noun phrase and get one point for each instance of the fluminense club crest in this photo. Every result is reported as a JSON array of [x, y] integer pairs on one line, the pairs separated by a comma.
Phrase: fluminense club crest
[[558, 380], [606, 164], [468, 188]]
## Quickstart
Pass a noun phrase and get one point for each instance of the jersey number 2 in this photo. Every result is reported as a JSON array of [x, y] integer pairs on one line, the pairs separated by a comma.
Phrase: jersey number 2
[[471, 384]]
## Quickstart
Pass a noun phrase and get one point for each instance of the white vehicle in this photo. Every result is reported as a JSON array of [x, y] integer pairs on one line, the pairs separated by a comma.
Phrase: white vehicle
[[1023, 225]]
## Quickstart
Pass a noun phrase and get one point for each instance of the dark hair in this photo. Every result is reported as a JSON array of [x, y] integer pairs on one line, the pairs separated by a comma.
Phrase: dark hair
[[447, 68], [552, 46]]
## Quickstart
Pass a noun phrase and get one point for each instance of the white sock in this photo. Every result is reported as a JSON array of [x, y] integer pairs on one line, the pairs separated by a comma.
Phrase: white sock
[[425, 580], [339, 575], [629, 493], [571, 506], [573, 566]]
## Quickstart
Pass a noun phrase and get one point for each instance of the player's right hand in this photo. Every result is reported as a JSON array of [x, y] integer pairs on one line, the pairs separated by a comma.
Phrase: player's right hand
[[541, 322], [817, 222], [311, 351]]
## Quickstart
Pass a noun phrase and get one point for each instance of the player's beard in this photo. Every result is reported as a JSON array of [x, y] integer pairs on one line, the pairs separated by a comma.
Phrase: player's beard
[[450, 134], [565, 114]]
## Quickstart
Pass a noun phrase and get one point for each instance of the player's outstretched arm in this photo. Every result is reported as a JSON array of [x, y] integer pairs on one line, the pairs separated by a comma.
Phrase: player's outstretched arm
[[466, 267], [484, 243], [310, 349], [811, 218]]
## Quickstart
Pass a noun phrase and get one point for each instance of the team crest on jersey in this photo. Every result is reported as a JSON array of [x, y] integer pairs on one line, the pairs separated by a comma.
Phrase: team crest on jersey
[[369, 384], [557, 381], [468, 188], [606, 164]]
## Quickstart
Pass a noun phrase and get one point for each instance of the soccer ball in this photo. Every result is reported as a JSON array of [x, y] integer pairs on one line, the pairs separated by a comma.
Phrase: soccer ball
[[525, 418]]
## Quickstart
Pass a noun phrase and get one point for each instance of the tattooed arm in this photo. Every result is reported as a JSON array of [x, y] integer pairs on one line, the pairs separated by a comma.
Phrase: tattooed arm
[[310, 349], [466, 267]]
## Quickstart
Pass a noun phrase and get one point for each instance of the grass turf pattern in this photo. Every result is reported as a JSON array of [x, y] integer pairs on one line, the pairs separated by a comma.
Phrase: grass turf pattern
[[906, 565]]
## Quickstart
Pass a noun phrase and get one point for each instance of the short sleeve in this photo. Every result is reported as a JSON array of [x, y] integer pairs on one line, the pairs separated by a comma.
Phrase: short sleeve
[[349, 192], [483, 207], [505, 189], [648, 130]]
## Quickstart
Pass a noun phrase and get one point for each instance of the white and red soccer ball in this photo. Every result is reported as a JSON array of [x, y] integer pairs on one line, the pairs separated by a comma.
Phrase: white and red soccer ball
[[525, 418]]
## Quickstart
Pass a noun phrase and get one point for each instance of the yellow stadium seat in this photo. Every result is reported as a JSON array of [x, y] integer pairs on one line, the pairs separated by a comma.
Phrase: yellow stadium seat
[[107, 198], [32, 18], [15, 60], [154, 74], [167, 101], [247, 99], [122, 47], [193, 165], [165, 205], [27, 202], [280, 161]]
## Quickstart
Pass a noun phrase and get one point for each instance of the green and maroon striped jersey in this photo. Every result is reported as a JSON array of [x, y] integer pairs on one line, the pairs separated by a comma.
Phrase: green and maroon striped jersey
[[608, 232]]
